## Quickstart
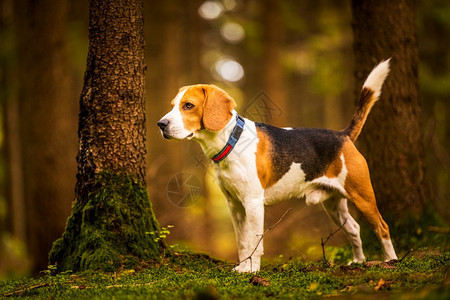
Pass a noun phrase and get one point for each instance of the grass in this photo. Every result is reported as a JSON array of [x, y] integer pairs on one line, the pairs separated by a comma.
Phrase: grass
[[421, 275]]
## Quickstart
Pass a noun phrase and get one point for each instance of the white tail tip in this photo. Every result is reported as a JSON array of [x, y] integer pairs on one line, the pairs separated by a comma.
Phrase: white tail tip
[[376, 78]]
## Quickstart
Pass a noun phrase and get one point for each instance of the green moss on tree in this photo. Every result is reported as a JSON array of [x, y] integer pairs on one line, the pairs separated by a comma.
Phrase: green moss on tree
[[109, 229]]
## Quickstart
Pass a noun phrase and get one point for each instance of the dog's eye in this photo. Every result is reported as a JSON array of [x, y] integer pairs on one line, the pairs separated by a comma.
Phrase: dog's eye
[[188, 105]]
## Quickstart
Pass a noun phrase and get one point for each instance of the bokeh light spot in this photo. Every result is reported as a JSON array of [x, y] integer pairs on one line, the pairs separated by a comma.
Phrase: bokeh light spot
[[210, 10], [230, 70], [232, 32]]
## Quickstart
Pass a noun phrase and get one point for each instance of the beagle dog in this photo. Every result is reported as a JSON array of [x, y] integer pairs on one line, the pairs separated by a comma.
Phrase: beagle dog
[[258, 164]]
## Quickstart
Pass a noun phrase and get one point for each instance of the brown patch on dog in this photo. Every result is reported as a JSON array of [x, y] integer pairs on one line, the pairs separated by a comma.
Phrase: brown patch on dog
[[217, 108], [192, 118], [212, 107], [360, 191], [365, 103], [335, 168], [264, 160]]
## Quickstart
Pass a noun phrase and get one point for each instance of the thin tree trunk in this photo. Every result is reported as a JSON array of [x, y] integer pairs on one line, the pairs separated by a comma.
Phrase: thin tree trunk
[[392, 138], [15, 193], [12, 187], [112, 222], [273, 74], [47, 113]]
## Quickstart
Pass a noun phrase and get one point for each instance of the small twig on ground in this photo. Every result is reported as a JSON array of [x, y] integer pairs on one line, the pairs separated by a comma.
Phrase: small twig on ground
[[19, 292], [128, 285], [329, 237], [263, 235], [406, 254]]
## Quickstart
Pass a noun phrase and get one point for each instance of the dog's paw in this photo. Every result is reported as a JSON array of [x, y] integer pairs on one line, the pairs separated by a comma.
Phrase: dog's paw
[[246, 267], [356, 261], [241, 269]]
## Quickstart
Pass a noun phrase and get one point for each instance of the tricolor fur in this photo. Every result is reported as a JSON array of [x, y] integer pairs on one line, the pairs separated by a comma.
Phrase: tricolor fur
[[321, 165]]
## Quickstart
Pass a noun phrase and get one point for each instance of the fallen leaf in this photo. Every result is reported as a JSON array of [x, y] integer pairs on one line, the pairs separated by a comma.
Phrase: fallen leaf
[[259, 281], [383, 285]]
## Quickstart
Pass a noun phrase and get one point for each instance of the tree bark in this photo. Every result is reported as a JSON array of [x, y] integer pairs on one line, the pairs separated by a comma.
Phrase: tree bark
[[392, 140], [112, 222], [47, 113]]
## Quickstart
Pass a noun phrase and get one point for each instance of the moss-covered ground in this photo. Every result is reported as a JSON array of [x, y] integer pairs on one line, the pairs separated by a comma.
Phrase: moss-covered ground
[[111, 227], [423, 274]]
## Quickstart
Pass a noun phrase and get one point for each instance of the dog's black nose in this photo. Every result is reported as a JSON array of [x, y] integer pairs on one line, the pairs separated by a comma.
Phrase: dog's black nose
[[163, 123]]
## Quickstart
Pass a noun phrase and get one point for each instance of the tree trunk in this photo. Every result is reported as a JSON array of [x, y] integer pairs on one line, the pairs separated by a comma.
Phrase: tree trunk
[[112, 222], [273, 74], [392, 140], [47, 113]]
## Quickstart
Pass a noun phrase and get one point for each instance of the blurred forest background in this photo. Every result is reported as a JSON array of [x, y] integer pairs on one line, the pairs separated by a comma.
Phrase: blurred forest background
[[288, 63]]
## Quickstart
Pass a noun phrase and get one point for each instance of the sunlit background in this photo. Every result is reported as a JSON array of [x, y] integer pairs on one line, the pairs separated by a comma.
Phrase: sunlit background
[[288, 63]]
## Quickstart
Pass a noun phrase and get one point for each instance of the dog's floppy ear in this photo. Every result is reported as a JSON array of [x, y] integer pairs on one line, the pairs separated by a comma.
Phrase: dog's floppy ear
[[217, 108]]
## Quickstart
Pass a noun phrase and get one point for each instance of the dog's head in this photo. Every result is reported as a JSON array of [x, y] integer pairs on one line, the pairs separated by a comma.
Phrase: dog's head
[[194, 108]]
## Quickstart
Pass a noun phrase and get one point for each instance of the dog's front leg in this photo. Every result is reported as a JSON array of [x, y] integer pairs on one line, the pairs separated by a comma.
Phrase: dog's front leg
[[248, 221]]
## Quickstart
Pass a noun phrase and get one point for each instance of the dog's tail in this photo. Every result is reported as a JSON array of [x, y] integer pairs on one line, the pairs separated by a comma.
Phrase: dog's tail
[[370, 93]]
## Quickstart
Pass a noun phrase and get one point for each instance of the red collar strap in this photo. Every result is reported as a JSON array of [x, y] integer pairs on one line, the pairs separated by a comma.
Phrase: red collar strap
[[234, 137]]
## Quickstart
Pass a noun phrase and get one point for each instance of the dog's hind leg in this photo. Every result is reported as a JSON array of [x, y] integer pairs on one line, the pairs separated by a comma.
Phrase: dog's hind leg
[[367, 206], [337, 209], [360, 192]]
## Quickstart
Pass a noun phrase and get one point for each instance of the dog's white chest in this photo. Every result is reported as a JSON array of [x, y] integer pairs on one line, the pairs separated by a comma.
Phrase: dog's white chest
[[238, 181]]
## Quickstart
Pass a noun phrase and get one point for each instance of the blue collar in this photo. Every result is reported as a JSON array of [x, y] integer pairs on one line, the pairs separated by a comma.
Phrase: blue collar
[[234, 137]]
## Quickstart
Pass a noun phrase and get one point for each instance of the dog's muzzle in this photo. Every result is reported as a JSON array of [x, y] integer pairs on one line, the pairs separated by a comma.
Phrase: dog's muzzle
[[163, 124]]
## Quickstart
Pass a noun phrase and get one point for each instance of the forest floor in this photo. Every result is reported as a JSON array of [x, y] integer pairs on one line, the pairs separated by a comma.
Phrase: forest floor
[[422, 274]]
